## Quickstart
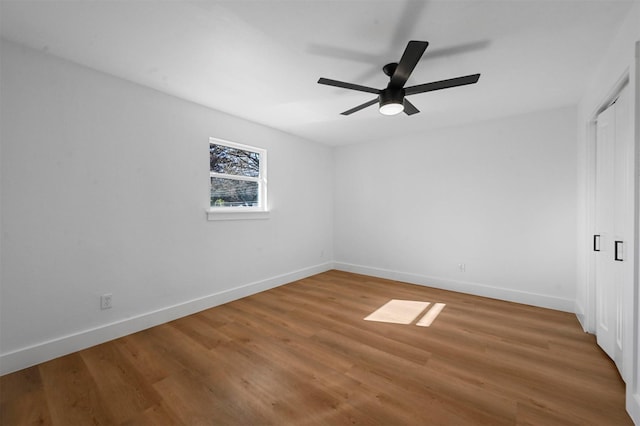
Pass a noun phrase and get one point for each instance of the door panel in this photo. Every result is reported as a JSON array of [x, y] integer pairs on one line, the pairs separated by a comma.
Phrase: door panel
[[606, 291], [623, 217]]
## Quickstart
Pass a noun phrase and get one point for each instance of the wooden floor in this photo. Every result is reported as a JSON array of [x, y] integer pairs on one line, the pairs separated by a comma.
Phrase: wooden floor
[[301, 354]]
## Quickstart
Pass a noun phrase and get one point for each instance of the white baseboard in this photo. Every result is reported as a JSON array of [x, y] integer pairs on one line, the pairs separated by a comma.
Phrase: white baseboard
[[63, 345], [541, 300]]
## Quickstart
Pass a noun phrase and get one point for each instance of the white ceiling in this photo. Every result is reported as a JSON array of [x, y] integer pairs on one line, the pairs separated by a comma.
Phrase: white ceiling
[[260, 60]]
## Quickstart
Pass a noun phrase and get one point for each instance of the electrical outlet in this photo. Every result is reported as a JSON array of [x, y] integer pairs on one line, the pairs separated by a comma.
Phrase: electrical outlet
[[105, 301], [462, 267]]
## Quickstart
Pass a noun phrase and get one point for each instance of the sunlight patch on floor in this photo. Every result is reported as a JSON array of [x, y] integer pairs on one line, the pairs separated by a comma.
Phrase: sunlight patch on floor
[[431, 315], [398, 311]]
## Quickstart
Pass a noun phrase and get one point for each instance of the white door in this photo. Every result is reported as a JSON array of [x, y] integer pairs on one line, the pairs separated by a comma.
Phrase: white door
[[606, 285], [612, 239]]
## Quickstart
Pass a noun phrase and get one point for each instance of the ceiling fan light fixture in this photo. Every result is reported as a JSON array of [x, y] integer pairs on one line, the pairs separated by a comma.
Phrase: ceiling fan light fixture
[[391, 101], [391, 108]]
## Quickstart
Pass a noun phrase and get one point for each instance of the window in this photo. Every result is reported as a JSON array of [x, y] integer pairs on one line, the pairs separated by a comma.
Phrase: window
[[237, 177]]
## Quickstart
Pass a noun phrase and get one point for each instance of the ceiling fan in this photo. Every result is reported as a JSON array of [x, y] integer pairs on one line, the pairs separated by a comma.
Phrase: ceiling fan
[[392, 99]]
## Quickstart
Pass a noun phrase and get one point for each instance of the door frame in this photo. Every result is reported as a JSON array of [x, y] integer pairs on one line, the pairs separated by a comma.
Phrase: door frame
[[633, 388]]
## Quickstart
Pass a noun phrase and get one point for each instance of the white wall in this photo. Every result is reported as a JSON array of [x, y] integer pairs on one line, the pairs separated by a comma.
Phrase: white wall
[[620, 60], [104, 190], [498, 196]]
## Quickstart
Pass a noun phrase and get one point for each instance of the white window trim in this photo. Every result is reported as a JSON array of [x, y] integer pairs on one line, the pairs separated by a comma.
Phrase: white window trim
[[242, 213]]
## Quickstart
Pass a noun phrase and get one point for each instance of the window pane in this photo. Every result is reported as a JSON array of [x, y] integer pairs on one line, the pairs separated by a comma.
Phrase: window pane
[[233, 161], [233, 193]]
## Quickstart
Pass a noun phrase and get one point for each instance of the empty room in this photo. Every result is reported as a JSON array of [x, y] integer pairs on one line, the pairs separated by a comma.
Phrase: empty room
[[417, 212]]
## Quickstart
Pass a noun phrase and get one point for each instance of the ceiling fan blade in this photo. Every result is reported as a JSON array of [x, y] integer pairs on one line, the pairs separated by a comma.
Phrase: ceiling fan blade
[[409, 19], [344, 85], [408, 62], [442, 84], [458, 49], [409, 108], [342, 53], [359, 107]]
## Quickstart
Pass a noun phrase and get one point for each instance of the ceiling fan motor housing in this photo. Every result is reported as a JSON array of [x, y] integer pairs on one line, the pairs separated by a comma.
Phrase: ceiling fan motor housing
[[391, 95]]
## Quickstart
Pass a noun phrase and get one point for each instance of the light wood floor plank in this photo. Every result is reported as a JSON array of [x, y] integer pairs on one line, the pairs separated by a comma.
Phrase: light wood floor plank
[[302, 354], [25, 403], [72, 394]]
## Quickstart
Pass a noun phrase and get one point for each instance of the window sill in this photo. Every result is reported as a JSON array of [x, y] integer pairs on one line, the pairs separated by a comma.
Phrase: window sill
[[237, 215]]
